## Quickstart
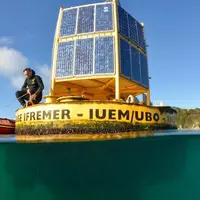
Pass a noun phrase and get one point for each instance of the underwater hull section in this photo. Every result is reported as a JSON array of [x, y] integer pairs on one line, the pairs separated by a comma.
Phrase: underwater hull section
[[80, 117]]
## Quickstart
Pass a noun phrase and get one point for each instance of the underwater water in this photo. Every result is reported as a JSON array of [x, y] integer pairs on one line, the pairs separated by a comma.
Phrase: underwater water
[[148, 168]]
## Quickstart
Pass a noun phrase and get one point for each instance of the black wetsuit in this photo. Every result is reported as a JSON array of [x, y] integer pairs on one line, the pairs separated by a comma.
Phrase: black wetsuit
[[35, 84]]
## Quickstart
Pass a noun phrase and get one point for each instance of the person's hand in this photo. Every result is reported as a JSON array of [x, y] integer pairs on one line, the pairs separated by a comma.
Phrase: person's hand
[[29, 91], [33, 97]]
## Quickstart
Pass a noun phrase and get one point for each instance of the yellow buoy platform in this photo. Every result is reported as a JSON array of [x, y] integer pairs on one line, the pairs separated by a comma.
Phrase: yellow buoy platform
[[100, 78], [76, 116]]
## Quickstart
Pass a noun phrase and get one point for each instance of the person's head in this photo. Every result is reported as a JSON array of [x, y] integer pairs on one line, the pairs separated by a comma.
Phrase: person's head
[[27, 72]]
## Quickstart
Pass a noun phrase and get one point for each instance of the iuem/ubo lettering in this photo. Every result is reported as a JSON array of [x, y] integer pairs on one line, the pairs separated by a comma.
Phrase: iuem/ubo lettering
[[114, 114]]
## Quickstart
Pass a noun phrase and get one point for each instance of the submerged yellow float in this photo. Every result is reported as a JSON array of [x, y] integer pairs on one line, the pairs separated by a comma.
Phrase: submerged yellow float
[[99, 69]]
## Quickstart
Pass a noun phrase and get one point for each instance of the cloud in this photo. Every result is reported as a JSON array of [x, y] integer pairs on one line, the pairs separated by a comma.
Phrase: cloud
[[6, 40], [12, 63], [17, 81]]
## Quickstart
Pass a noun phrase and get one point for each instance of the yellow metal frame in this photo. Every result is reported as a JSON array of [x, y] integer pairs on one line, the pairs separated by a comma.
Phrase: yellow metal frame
[[117, 54], [103, 3], [55, 51], [112, 86]]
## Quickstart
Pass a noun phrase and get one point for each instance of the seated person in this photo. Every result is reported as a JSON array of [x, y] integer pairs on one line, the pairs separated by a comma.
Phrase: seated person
[[31, 89]]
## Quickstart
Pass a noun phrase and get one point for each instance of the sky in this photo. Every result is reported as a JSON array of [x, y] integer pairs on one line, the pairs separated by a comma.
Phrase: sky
[[172, 29]]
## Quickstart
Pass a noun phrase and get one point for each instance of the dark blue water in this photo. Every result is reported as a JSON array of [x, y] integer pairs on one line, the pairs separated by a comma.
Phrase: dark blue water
[[149, 168]]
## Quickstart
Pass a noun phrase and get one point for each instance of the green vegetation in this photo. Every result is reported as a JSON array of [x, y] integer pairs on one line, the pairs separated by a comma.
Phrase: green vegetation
[[188, 118]]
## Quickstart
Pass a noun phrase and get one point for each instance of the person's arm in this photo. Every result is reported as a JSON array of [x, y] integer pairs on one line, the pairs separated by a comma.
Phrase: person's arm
[[39, 81], [24, 86]]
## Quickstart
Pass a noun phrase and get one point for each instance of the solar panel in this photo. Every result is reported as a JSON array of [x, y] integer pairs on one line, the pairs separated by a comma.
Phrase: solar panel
[[84, 56], [86, 19], [135, 65], [104, 55], [68, 22], [131, 28], [104, 19], [132, 23], [144, 70], [64, 65], [123, 21], [141, 39], [125, 58]]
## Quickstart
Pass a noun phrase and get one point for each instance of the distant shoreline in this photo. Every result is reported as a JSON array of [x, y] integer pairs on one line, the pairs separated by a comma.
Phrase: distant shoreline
[[188, 129]]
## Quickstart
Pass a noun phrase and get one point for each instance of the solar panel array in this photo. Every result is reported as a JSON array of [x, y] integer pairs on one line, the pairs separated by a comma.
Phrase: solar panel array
[[95, 55], [85, 56], [133, 63], [130, 28], [86, 19]]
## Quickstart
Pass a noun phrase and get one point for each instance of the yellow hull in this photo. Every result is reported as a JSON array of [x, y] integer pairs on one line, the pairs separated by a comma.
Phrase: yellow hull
[[85, 117]]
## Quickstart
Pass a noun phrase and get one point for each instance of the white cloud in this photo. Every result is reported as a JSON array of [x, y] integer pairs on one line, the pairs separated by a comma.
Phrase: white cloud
[[44, 70], [6, 40], [17, 81], [12, 63]]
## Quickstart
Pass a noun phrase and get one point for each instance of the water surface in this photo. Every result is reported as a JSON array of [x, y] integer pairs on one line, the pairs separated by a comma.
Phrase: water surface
[[148, 168]]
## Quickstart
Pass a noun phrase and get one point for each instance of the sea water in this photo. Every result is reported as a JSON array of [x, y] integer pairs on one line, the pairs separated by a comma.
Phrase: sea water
[[165, 166]]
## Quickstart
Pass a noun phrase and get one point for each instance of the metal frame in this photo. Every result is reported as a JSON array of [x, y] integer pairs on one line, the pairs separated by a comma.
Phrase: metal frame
[[55, 52], [116, 47], [94, 39], [87, 5], [84, 77], [148, 92], [117, 54]]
